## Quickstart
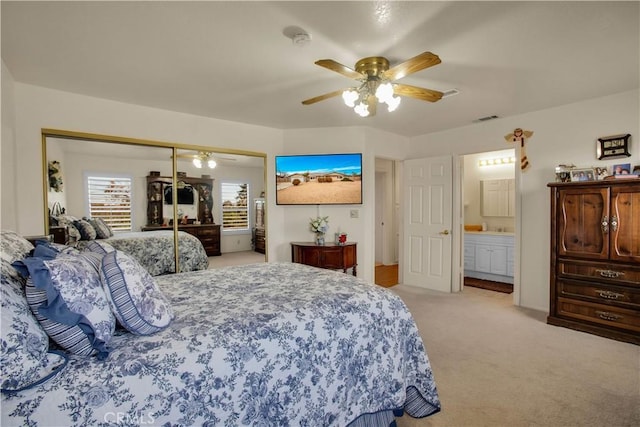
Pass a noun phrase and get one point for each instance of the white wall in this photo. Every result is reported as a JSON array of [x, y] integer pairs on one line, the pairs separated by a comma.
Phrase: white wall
[[565, 134], [8, 208]]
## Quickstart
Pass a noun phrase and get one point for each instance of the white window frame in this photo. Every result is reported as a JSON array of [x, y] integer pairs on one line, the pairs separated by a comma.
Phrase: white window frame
[[87, 202], [232, 231]]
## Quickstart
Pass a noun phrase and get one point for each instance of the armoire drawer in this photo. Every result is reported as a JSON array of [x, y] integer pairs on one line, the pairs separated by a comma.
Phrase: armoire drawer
[[601, 314], [594, 271], [597, 293]]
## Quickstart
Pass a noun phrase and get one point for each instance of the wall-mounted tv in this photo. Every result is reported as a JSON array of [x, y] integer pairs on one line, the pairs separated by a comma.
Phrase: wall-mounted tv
[[319, 179], [185, 195]]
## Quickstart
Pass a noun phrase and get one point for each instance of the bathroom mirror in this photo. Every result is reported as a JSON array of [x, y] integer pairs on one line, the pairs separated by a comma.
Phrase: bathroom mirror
[[497, 197]]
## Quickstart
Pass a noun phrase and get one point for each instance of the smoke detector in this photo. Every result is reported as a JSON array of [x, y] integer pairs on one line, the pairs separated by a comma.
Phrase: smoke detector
[[301, 39]]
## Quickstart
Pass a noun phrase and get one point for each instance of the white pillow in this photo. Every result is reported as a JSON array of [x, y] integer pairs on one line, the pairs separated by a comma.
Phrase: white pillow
[[135, 298]]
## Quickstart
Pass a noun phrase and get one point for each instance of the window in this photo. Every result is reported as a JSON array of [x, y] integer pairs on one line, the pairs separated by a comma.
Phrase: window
[[235, 210], [110, 199]]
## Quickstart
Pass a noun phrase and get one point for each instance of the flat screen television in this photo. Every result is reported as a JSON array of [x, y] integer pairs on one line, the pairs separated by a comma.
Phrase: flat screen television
[[319, 179], [185, 195]]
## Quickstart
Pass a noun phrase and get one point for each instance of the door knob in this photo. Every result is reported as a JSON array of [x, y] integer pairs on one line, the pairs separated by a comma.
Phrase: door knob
[[445, 232]]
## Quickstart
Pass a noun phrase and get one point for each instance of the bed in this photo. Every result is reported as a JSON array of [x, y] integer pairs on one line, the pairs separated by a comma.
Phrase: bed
[[154, 250], [272, 344]]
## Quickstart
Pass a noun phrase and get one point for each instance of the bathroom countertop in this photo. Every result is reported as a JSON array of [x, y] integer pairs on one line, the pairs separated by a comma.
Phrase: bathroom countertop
[[492, 233]]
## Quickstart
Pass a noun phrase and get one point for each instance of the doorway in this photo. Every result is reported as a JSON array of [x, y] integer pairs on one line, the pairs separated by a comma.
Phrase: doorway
[[488, 216], [386, 223]]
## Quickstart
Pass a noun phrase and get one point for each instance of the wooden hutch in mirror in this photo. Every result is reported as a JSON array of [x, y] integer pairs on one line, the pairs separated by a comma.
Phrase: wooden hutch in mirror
[[194, 197]]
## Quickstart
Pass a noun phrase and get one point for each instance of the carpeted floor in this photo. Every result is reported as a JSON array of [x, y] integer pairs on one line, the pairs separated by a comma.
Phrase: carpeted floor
[[488, 284], [499, 365], [235, 258]]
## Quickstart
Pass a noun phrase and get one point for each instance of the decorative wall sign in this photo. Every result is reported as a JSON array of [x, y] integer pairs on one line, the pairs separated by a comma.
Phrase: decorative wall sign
[[610, 147], [520, 136]]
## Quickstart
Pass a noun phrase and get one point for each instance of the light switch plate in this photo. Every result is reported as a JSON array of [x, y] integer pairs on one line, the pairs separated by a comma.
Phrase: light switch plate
[[355, 213]]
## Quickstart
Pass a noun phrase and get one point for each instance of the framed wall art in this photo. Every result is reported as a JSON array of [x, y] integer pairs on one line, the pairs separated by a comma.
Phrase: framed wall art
[[609, 147]]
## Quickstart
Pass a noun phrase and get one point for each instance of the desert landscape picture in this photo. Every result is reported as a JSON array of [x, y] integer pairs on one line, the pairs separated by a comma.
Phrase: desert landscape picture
[[319, 179]]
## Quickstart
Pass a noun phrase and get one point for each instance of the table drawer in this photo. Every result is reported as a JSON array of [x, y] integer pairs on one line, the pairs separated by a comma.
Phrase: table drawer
[[209, 231], [621, 296], [601, 272], [602, 314]]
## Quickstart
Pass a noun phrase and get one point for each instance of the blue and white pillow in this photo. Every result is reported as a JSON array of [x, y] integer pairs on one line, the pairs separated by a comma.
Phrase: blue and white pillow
[[135, 298], [98, 247], [103, 231], [58, 248], [87, 232], [66, 296], [24, 345]]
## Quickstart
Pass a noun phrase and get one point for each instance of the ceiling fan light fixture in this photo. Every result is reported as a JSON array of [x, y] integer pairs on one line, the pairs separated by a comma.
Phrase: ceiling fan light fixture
[[393, 103], [350, 97], [203, 158], [362, 109], [384, 92]]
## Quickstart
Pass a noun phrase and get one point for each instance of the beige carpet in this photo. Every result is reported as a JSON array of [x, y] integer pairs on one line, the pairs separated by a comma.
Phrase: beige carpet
[[499, 365], [235, 258]]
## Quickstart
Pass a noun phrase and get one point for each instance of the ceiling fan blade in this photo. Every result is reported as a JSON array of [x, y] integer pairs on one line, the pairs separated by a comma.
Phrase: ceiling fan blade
[[187, 156], [332, 65], [417, 92], [322, 97], [410, 66]]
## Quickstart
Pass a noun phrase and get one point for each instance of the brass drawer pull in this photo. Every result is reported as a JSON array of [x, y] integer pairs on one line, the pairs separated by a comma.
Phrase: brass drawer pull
[[605, 224], [605, 315], [609, 294], [610, 274], [614, 223]]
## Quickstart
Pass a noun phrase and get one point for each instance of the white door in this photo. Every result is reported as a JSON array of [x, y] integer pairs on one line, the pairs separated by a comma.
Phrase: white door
[[427, 188]]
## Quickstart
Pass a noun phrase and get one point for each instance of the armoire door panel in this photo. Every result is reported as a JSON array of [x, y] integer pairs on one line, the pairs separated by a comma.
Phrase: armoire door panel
[[582, 215], [625, 226]]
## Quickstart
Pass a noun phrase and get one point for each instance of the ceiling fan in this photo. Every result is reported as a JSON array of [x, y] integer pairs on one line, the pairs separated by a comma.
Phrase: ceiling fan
[[204, 158], [377, 82]]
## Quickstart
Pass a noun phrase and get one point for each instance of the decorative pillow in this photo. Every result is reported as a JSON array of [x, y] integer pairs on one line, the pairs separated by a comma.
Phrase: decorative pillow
[[87, 232], [23, 342], [74, 234], [24, 346], [135, 298], [99, 247], [103, 231], [58, 248], [66, 296], [13, 247]]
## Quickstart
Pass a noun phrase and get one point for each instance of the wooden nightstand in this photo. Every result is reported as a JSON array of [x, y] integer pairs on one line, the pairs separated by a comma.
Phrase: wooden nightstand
[[329, 255]]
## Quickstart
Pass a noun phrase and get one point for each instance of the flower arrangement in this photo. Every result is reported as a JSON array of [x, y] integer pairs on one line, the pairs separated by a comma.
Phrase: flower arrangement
[[319, 225]]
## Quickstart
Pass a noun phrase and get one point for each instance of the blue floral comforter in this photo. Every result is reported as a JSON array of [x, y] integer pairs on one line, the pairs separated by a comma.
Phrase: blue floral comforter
[[154, 250], [271, 344]]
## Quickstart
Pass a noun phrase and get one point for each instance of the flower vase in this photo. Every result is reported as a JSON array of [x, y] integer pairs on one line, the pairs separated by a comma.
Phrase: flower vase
[[320, 239]]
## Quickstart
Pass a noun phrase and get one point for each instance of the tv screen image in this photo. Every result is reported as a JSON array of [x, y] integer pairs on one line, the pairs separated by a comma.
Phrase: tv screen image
[[185, 195], [319, 179]]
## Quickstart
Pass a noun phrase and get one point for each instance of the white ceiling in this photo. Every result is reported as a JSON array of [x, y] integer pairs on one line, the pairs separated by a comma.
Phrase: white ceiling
[[235, 61]]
